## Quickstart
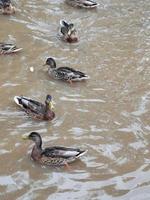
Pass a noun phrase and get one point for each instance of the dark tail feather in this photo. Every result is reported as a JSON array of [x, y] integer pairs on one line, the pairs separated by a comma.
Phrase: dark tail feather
[[81, 153]]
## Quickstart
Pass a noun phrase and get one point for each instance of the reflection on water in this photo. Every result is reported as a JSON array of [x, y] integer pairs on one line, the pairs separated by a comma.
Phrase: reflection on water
[[108, 114]]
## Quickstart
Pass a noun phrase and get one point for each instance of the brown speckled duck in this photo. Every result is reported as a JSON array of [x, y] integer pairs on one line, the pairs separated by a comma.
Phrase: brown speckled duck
[[52, 156], [67, 32], [36, 109], [64, 73], [82, 3], [6, 7]]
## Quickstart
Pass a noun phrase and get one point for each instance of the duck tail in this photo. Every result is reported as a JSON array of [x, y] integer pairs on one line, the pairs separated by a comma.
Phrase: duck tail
[[17, 100], [21, 101], [64, 23], [86, 77], [15, 50], [81, 153], [80, 78]]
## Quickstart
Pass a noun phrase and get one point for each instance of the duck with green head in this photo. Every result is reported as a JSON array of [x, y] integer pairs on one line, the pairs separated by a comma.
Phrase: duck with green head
[[36, 109], [6, 7], [82, 3], [68, 32], [52, 156], [7, 48], [64, 73]]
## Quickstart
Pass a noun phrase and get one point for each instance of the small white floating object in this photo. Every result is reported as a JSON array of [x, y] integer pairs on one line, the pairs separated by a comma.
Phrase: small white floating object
[[31, 69]]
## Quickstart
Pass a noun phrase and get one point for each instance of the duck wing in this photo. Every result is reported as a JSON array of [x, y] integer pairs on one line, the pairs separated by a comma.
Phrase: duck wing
[[63, 73], [63, 23], [62, 152], [29, 104], [86, 3], [7, 47], [69, 73], [82, 3]]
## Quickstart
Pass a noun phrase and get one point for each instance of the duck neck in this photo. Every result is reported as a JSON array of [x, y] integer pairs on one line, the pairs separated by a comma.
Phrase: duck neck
[[49, 114], [37, 150], [50, 69], [38, 144], [47, 108]]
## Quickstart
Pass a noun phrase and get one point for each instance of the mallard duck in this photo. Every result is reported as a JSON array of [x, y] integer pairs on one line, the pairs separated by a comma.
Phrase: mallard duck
[[36, 109], [64, 73], [68, 32], [6, 48], [82, 3], [6, 7], [52, 156]]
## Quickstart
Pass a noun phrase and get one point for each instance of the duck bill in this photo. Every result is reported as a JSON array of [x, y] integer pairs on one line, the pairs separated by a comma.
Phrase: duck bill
[[51, 105], [45, 64], [25, 137]]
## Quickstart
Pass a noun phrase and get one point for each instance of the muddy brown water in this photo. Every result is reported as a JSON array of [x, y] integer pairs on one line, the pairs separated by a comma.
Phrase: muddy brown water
[[108, 115]]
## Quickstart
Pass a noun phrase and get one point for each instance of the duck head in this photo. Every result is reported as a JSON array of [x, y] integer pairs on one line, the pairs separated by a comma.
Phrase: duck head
[[50, 62], [35, 137]]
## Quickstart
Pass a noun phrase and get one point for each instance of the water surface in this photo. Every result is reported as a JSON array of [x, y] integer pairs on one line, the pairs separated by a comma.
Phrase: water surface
[[108, 115]]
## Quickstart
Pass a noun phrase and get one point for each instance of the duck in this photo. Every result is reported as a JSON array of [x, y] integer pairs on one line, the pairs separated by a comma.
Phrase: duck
[[6, 48], [36, 109], [52, 156], [67, 32], [64, 73], [82, 3], [6, 7]]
